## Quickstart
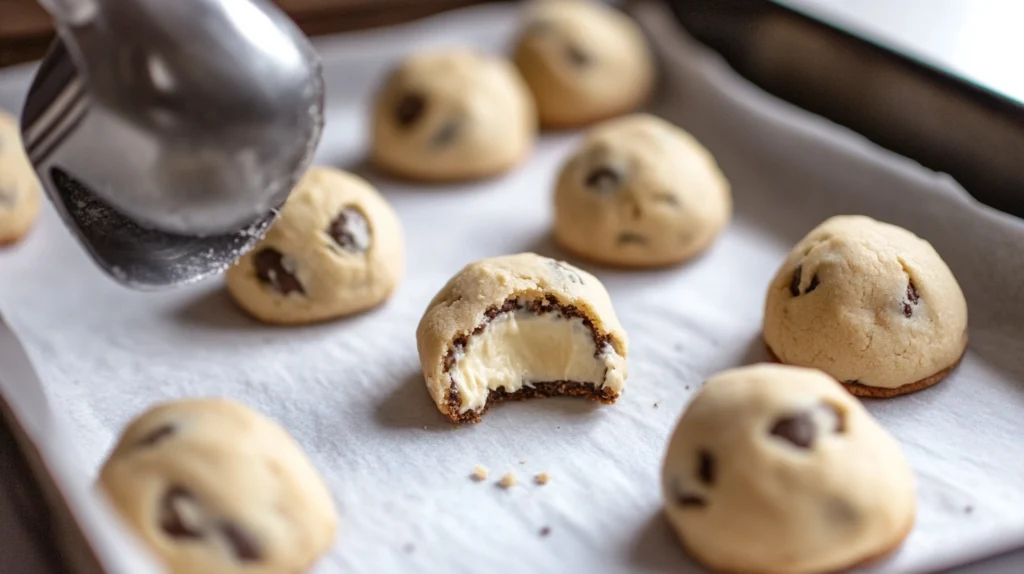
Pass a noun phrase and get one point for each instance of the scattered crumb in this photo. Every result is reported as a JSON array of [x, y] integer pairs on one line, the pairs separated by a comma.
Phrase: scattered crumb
[[968, 509], [545, 531], [508, 481], [542, 478], [687, 387], [479, 473], [522, 462], [409, 548], [656, 404], [424, 427]]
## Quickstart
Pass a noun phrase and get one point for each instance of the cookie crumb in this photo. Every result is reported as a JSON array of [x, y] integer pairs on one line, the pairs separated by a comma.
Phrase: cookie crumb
[[687, 387], [409, 548], [542, 478], [508, 481], [479, 473], [522, 462], [424, 427], [968, 509], [545, 531], [656, 404]]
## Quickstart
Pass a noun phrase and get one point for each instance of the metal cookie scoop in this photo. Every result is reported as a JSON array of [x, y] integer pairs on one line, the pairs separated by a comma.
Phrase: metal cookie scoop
[[167, 132]]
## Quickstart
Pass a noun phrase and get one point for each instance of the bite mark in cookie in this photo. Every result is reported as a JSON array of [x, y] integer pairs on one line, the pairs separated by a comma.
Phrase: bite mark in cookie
[[525, 349]]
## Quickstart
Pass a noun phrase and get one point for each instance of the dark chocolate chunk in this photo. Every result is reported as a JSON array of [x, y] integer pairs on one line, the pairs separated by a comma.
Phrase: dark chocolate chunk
[[350, 230], [813, 285], [577, 56], [447, 133], [631, 237], [794, 284], [410, 109], [798, 429], [604, 179], [170, 518], [913, 298], [706, 467], [689, 500], [270, 270], [156, 435], [243, 544]]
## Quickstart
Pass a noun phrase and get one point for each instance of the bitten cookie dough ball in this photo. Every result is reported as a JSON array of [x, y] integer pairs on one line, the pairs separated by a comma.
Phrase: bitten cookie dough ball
[[583, 61], [640, 192], [777, 469], [518, 327], [19, 188], [452, 115], [869, 303], [335, 250], [211, 486]]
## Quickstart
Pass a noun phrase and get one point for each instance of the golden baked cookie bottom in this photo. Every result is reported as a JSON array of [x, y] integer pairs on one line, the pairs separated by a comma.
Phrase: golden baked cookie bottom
[[861, 390]]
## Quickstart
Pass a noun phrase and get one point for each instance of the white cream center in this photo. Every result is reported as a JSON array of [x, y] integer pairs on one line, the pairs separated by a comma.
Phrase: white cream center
[[522, 348]]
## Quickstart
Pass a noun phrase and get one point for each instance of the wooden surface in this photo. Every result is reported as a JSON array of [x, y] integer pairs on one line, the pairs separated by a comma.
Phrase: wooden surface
[[25, 30]]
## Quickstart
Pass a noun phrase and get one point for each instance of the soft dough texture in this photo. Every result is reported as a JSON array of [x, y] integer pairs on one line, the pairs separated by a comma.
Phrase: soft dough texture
[[213, 487], [516, 327], [583, 61], [777, 469], [640, 192], [336, 249], [454, 114], [869, 303], [19, 188]]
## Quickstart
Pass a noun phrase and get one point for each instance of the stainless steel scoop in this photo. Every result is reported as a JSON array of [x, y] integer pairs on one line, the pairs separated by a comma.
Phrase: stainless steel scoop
[[167, 132]]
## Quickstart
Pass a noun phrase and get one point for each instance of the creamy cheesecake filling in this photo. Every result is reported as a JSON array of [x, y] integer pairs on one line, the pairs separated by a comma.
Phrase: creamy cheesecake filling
[[523, 345]]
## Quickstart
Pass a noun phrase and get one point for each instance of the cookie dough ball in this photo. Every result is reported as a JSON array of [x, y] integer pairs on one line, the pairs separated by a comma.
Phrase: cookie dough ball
[[518, 327], [335, 250], [640, 192], [583, 61], [19, 188], [777, 469], [211, 486], [869, 303], [452, 115]]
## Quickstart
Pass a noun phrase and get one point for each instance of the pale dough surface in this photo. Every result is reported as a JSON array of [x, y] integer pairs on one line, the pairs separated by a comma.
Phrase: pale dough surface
[[745, 498], [462, 304], [335, 278], [214, 487], [453, 114], [583, 61], [875, 304], [640, 192], [19, 187]]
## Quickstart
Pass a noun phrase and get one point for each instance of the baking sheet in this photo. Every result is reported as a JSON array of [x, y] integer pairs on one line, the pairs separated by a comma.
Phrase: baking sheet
[[352, 394]]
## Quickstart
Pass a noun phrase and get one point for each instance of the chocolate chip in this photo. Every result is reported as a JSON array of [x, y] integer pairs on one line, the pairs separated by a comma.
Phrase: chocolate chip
[[447, 133], [913, 298], [604, 179], [171, 520], [410, 109], [156, 435], [577, 57], [794, 284], [631, 237], [270, 270], [706, 467], [243, 544], [688, 500], [798, 429], [350, 230]]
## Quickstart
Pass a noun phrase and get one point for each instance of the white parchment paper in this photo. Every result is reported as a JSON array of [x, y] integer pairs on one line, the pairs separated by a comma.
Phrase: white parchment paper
[[352, 394]]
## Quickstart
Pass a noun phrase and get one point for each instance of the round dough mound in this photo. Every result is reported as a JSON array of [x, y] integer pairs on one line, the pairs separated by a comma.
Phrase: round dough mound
[[640, 192], [777, 469], [869, 303], [517, 327], [452, 115], [211, 486], [336, 249], [583, 61], [19, 188]]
